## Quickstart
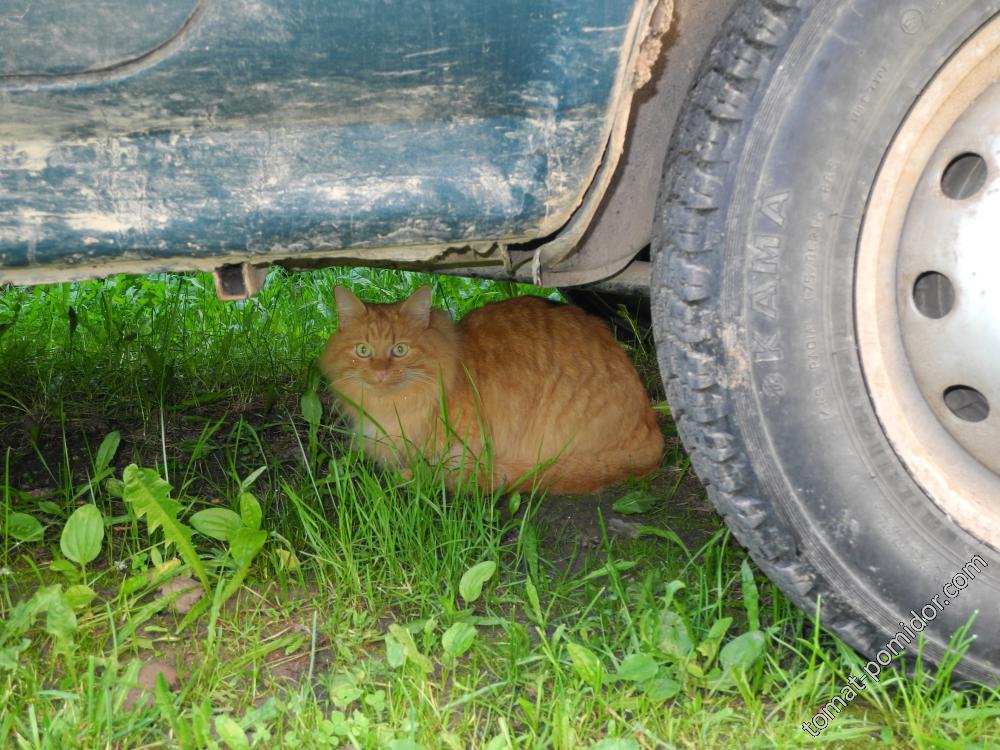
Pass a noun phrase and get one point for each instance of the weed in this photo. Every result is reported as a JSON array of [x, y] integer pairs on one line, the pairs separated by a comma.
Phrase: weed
[[150, 433]]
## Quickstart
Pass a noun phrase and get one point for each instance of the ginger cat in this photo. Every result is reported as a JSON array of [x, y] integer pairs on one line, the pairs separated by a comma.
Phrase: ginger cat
[[513, 385]]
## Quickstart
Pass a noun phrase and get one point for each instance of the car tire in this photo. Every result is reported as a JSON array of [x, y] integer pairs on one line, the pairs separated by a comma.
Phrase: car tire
[[765, 209]]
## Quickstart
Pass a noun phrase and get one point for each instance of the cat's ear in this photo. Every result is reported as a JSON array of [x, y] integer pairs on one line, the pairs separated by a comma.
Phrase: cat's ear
[[418, 306], [349, 307]]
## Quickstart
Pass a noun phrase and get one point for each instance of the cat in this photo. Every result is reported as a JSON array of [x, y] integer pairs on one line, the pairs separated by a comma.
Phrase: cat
[[523, 393]]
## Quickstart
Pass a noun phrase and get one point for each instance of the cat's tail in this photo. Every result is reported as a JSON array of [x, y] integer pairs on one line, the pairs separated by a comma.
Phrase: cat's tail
[[576, 473]]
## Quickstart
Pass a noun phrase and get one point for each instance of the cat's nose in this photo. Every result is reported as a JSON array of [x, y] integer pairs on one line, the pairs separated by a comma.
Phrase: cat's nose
[[380, 375]]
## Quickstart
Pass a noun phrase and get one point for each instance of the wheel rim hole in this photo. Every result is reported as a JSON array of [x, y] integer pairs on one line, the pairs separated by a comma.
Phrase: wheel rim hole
[[967, 403], [964, 176], [933, 294]]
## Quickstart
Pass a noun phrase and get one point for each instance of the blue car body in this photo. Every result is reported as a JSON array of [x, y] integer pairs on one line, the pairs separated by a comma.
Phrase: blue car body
[[153, 134]]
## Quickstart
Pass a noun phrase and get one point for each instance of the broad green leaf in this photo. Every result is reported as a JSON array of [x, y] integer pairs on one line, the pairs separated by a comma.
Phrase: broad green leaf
[[47, 506], [80, 595], [404, 744], [709, 646], [586, 663], [245, 544], [217, 523], [636, 501], [637, 668], [24, 527], [312, 407], [672, 636], [458, 638], [742, 652], [615, 743], [751, 599], [395, 656], [60, 622], [63, 566], [471, 585], [514, 503], [672, 588], [250, 510], [21, 617], [107, 450], [231, 733], [413, 655], [663, 688], [83, 534], [9, 656], [694, 668], [149, 496]]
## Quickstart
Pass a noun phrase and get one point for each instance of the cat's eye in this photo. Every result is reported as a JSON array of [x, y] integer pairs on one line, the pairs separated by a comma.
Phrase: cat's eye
[[363, 350], [400, 350]]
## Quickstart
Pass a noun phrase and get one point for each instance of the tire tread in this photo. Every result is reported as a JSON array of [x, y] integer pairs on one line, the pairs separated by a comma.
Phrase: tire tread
[[687, 268]]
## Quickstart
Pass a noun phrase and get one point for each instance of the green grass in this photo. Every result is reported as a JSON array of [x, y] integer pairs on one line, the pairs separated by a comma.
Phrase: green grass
[[347, 619]]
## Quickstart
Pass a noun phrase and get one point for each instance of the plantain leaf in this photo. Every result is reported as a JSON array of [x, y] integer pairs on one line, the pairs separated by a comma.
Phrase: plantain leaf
[[709, 645], [79, 595], [83, 534], [149, 496], [250, 510], [312, 407], [458, 638], [672, 636], [413, 655], [395, 656], [60, 622], [217, 523], [742, 652], [636, 501], [24, 527], [586, 663], [471, 585], [231, 733], [245, 544], [107, 451], [637, 668]]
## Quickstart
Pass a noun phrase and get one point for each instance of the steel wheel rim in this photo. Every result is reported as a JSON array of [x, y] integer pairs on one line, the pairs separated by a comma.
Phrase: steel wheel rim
[[927, 297]]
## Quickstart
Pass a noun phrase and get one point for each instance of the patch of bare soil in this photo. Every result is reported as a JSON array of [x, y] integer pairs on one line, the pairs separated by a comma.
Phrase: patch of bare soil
[[261, 630], [572, 529]]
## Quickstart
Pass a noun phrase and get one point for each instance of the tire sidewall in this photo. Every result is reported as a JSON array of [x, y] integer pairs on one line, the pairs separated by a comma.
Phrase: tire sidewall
[[808, 156]]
